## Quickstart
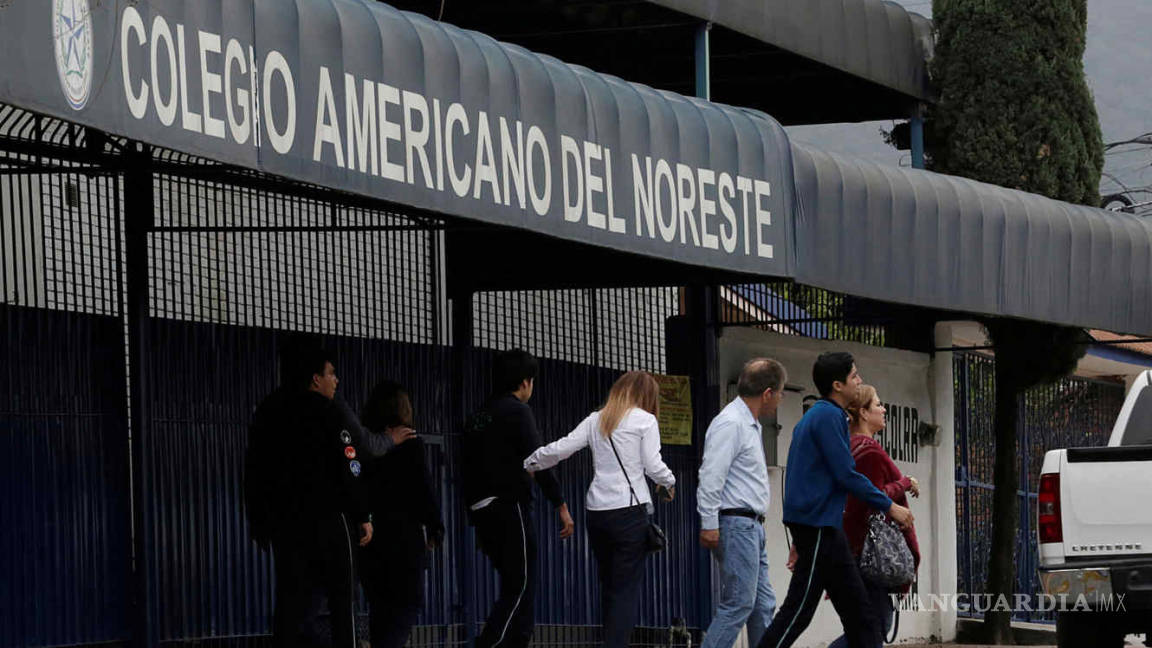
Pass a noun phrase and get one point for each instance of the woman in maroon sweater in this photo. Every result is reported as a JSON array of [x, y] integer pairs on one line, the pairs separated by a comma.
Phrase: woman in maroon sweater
[[867, 418]]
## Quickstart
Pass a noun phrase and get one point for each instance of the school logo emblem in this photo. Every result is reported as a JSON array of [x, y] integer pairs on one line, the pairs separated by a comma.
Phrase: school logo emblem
[[72, 32]]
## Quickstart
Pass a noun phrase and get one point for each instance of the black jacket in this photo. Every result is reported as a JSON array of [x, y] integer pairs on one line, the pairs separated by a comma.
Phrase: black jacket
[[297, 468], [496, 441], [403, 500]]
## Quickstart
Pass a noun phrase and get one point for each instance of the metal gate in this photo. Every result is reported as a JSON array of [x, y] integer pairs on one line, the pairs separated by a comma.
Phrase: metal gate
[[143, 296], [1074, 412], [65, 484]]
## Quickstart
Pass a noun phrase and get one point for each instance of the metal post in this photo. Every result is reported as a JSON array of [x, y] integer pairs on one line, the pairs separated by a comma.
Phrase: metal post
[[462, 355], [138, 215], [916, 134], [703, 65], [1023, 571], [966, 458], [700, 303]]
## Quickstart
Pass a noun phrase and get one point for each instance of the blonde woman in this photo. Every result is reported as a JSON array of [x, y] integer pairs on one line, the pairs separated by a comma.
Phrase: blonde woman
[[867, 419], [625, 443]]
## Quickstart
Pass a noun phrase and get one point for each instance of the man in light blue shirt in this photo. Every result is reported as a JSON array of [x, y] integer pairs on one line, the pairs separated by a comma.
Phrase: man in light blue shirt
[[732, 499]]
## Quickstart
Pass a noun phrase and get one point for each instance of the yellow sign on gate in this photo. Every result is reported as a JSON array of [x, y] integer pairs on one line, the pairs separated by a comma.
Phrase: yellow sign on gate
[[675, 410]]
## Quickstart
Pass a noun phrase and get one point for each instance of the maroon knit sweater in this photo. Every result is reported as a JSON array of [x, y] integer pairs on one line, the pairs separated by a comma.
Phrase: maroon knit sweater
[[876, 465]]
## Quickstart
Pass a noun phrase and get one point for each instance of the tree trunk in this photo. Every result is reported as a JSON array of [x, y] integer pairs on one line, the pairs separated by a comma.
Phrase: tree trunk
[[1005, 511]]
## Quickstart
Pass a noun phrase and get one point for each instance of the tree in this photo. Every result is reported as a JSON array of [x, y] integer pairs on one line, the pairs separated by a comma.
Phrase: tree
[[1014, 110], [1027, 354]]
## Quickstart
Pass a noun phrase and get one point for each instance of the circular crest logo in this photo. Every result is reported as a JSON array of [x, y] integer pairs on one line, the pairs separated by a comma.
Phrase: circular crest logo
[[72, 32]]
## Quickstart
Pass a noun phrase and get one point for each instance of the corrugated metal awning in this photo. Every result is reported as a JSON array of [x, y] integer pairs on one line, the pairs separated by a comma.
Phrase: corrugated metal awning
[[916, 237], [360, 97]]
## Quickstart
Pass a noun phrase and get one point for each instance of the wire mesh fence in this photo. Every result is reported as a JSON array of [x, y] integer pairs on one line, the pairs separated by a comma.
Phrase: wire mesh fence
[[618, 328], [794, 309]]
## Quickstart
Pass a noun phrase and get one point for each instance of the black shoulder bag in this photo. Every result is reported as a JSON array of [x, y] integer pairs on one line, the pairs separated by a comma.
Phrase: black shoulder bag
[[655, 540]]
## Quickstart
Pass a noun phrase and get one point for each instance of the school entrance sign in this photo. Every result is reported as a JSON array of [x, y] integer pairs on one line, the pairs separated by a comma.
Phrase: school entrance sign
[[355, 95]]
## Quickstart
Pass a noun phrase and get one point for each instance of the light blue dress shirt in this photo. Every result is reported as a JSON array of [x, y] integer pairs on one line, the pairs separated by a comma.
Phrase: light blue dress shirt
[[733, 474]]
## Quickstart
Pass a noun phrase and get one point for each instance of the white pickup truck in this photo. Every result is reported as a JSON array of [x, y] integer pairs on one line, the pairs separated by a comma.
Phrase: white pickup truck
[[1095, 530]]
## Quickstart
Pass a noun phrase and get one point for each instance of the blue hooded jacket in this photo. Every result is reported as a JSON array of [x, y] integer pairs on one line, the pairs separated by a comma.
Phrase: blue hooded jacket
[[821, 470]]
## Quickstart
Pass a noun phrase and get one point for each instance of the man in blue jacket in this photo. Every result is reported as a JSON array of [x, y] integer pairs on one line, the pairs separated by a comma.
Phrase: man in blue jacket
[[821, 473]]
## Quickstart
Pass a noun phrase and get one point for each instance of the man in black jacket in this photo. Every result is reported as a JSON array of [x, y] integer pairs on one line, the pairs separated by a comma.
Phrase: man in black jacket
[[303, 494], [498, 494]]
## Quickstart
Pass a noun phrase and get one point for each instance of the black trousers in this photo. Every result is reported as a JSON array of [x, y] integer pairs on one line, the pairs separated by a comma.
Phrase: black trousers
[[313, 559], [824, 562], [618, 539], [505, 533], [392, 571]]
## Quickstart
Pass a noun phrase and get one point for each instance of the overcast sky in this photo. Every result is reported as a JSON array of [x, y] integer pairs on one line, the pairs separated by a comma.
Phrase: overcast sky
[[1118, 63]]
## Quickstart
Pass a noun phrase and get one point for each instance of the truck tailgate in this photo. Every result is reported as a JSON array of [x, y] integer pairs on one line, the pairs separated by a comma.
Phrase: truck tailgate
[[1106, 501]]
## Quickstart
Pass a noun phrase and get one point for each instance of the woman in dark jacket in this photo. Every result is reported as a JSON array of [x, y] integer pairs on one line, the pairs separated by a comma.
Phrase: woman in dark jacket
[[867, 418], [406, 518]]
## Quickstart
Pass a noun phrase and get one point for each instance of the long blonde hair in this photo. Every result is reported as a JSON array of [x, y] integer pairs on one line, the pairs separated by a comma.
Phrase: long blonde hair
[[863, 400], [633, 389]]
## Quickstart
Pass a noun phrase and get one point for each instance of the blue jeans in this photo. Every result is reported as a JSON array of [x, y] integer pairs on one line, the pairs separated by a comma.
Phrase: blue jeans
[[880, 605], [746, 596]]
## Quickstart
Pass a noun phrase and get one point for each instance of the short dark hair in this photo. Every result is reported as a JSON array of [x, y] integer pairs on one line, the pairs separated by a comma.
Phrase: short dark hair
[[830, 367], [511, 368], [760, 375], [302, 357]]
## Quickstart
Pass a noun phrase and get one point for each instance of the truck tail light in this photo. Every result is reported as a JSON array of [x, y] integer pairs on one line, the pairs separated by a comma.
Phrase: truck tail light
[[1048, 505]]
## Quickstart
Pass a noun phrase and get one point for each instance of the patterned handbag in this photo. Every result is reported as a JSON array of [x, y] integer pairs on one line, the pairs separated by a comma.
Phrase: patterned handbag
[[886, 559]]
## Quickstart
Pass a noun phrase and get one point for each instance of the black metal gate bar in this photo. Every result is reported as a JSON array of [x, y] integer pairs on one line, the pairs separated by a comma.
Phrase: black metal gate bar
[[138, 210], [1073, 412], [63, 410], [201, 268]]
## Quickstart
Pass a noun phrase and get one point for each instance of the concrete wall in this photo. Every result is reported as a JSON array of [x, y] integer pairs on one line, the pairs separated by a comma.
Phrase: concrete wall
[[909, 380]]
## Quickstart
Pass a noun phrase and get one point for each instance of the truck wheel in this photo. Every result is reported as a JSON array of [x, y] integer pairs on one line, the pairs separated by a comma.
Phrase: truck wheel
[[1081, 629]]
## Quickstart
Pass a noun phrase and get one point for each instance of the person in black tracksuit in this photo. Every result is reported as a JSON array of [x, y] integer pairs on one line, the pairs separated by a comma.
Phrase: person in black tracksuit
[[498, 496], [303, 497], [406, 517], [820, 474]]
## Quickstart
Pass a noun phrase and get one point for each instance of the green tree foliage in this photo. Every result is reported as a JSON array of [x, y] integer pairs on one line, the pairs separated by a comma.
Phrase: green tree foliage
[[828, 308], [1024, 351], [1014, 108]]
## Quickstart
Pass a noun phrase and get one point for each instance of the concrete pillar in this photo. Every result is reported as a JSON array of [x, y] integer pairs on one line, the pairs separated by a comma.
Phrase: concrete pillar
[[941, 559]]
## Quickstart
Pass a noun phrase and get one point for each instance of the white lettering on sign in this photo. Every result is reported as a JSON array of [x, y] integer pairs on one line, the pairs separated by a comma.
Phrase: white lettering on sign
[[238, 127], [220, 88], [226, 106], [210, 83], [698, 192]]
